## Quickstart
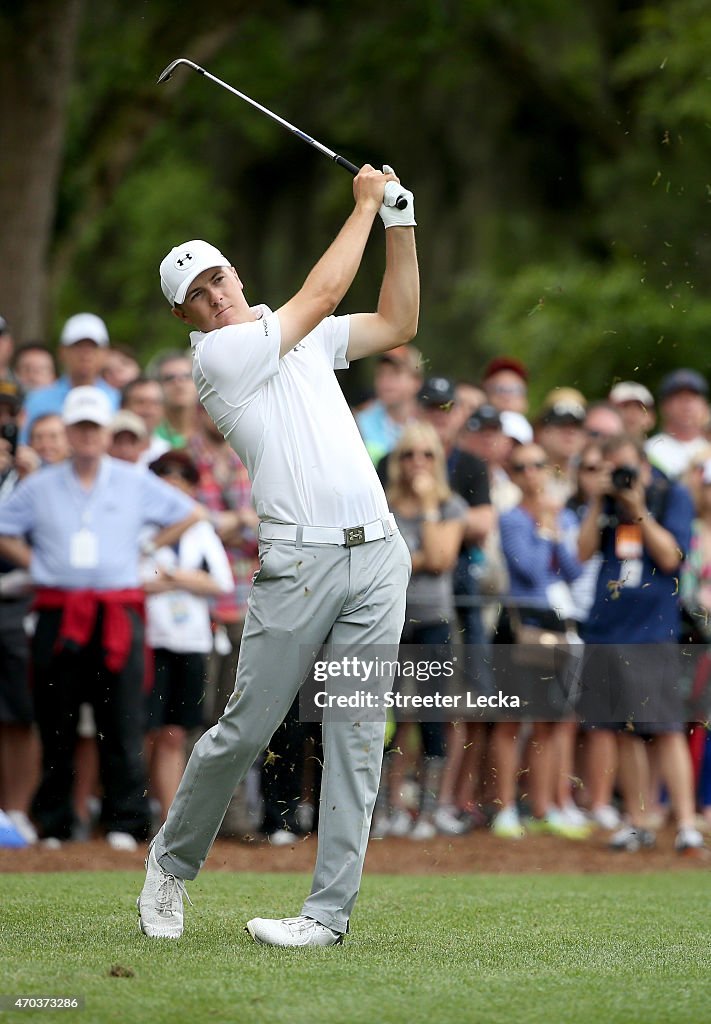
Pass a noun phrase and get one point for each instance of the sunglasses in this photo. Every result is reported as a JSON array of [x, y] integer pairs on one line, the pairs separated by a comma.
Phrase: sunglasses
[[410, 453], [171, 378], [521, 467]]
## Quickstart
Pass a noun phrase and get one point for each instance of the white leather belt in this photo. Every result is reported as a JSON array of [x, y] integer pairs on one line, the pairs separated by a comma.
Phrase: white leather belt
[[348, 537]]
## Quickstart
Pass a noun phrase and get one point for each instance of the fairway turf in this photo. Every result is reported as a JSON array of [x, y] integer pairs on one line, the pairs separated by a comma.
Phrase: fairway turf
[[492, 949]]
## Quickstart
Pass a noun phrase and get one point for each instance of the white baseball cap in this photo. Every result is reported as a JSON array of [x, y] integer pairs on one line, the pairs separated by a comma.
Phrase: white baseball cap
[[82, 326], [130, 423], [184, 263], [515, 425], [631, 391], [87, 404]]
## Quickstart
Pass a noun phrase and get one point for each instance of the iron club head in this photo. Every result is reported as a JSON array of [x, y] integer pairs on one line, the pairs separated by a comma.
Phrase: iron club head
[[167, 73]]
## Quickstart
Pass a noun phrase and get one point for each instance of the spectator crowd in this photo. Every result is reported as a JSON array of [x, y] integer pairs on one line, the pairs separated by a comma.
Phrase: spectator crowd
[[128, 543]]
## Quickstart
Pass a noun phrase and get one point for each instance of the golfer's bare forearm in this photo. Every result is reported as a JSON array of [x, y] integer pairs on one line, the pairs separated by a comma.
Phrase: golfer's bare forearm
[[395, 321], [399, 300]]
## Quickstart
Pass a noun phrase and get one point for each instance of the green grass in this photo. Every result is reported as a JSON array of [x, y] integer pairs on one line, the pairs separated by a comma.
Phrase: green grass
[[535, 949]]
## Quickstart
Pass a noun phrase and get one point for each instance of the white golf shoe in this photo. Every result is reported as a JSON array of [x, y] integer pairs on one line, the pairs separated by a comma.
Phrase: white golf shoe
[[291, 932], [160, 905]]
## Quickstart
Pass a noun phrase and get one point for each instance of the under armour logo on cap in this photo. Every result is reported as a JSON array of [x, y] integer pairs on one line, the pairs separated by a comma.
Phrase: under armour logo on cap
[[184, 263]]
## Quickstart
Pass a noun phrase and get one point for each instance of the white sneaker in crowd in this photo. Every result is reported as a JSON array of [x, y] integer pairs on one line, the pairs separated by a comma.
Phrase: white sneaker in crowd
[[448, 823], [160, 905], [632, 839], [292, 932], [689, 840], [606, 816], [507, 824], [282, 837], [122, 841], [573, 815], [400, 823], [24, 826], [555, 823], [423, 829]]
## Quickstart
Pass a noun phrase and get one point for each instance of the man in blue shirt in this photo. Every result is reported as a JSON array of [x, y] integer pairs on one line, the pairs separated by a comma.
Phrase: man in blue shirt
[[398, 377], [641, 523], [84, 340], [84, 518]]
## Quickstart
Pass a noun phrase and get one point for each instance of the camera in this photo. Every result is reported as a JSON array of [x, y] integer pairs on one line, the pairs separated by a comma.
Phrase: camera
[[9, 432], [624, 477]]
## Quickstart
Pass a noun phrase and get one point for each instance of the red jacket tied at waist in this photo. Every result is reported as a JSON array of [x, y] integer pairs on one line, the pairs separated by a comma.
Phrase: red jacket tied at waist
[[80, 608]]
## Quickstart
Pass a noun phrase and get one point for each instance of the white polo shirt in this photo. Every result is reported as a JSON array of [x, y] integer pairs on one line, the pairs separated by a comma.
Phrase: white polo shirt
[[288, 421]]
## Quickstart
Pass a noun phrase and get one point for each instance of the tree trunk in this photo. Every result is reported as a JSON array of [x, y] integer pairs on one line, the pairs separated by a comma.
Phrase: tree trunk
[[38, 43]]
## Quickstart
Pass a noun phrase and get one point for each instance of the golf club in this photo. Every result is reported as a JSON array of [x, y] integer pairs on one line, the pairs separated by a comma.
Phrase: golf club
[[392, 198]]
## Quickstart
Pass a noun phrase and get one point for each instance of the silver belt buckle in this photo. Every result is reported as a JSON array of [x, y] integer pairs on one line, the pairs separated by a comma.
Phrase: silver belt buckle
[[354, 535]]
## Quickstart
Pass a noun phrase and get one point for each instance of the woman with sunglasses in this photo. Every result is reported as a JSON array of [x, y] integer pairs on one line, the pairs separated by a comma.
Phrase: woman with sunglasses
[[431, 520], [538, 541]]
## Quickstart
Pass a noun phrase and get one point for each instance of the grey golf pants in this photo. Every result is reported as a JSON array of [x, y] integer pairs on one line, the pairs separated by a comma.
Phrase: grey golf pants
[[302, 597]]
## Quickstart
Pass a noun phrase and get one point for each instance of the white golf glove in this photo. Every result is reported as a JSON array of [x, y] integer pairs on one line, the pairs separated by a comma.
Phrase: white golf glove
[[389, 213]]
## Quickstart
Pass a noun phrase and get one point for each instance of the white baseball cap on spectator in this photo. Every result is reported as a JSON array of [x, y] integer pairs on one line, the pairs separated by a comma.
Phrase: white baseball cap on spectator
[[516, 426], [82, 327], [631, 391], [184, 263], [87, 404], [130, 422]]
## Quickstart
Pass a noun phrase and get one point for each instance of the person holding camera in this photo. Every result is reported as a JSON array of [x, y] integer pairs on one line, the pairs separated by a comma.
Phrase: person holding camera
[[640, 522]]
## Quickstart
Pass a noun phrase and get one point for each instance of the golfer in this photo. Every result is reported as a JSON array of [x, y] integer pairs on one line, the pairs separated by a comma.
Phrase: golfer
[[334, 569]]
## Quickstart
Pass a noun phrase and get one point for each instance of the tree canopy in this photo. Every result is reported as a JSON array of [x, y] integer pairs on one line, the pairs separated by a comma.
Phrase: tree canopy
[[559, 153]]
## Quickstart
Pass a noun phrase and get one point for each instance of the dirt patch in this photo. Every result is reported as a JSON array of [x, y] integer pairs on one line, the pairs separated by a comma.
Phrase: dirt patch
[[475, 853]]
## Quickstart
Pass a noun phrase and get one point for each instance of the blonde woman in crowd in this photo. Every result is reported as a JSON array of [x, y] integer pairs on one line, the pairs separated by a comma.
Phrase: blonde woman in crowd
[[431, 520]]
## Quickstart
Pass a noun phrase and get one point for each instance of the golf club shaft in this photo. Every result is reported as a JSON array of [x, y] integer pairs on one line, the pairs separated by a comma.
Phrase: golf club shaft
[[400, 203]]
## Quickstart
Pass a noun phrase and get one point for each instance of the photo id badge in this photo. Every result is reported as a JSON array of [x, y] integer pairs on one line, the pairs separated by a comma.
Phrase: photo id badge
[[84, 549], [628, 541]]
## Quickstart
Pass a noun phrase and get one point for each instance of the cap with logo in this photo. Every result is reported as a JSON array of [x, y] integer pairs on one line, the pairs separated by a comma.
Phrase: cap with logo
[[83, 327], [87, 404], [486, 417], [128, 422], [184, 263], [436, 391], [683, 380], [631, 391]]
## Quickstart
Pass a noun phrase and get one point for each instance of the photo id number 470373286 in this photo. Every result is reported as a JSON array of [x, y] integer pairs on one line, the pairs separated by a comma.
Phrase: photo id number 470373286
[[41, 1003]]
